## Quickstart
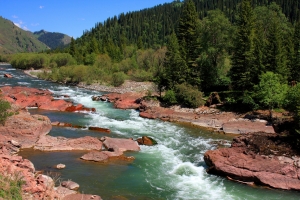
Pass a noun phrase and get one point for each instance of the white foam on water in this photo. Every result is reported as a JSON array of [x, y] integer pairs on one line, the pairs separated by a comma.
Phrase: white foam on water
[[23, 83]]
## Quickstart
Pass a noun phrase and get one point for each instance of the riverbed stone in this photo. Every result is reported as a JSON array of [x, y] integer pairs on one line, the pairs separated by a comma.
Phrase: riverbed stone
[[70, 185], [60, 166], [120, 144]]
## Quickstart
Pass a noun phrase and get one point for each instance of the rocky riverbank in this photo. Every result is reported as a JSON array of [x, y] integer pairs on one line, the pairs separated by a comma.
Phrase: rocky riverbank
[[207, 117], [23, 130]]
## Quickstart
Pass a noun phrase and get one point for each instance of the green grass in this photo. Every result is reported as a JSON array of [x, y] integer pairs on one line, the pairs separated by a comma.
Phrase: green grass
[[11, 188]]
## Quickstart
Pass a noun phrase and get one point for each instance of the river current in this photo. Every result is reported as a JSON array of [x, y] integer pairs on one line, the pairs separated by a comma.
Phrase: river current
[[173, 169]]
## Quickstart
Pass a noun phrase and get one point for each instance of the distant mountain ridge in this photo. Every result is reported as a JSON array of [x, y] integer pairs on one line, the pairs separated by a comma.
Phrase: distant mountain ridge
[[52, 39], [14, 39]]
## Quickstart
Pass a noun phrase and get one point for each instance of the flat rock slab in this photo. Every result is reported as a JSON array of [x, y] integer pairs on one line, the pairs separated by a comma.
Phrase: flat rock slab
[[49, 143], [82, 197], [234, 163], [104, 156], [238, 127], [120, 144]]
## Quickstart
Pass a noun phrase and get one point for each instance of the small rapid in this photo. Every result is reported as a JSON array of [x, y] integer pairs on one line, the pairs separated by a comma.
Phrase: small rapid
[[173, 169]]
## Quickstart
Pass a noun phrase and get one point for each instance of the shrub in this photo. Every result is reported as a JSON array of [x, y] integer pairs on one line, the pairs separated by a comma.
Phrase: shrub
[[11, 188], [4, 106], [118, 79], [270, 91], [141, 76], [170, 97], [188, 95], [292, 98]]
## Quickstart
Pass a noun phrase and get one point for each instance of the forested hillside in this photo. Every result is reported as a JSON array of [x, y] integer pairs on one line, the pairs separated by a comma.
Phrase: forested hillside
[[247, 51], [150, 27], [14, 39], [52, 39]]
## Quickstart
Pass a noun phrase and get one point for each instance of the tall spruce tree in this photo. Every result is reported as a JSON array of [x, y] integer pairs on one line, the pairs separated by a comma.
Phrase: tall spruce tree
[[72, 49], [295, 68], [175, 69], [276, 60], [187, 38], [240, 72]]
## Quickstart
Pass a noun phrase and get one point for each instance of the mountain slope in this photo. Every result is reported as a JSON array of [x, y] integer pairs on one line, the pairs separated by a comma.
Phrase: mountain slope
[[52, 39], [14, 39]]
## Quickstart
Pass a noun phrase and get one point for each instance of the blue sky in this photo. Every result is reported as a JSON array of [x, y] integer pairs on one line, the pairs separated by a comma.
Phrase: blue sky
[[66, 16]]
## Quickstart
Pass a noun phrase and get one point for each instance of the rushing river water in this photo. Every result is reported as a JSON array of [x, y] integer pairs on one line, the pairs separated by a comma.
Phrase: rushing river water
[[173, 169]]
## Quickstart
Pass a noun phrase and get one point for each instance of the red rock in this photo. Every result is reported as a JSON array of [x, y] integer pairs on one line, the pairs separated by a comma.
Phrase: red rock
[[82, 197], [25, 128], [79, 107], [31, 97], [120, 144], [36, 187], [145, 140], [105, 156], [49, 143], [60, 105], [8, 76], [245, 126], [129, 100], [237, 164], [105, 130]]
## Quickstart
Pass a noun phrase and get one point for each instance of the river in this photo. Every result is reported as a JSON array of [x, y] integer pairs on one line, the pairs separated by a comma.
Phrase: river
[[173, 169]]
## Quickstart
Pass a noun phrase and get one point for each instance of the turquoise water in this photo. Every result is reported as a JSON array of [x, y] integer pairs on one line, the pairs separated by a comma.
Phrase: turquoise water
[[174, 169]]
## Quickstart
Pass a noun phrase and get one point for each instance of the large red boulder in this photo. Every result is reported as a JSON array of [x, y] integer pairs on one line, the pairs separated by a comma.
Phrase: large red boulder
[[129, 100], [120, 144], [8, 76], [25, 128], [241, 162]]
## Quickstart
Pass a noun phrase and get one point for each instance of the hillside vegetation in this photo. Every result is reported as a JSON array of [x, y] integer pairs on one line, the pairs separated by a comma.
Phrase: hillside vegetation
[[14, 39], [52, 39], [247, 51]]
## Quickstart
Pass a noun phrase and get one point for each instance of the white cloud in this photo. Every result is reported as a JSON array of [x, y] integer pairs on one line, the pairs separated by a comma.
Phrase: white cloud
[[41, 7], [21, 25], [18, 25], [14, 16]]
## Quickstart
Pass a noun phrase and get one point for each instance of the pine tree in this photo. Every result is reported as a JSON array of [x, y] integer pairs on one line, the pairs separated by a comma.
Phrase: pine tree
[[72, 50], [187, 38], [295, 70], [175, 69], [240, 72]]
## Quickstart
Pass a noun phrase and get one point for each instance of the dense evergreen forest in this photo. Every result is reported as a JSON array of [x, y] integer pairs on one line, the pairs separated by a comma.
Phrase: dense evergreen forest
[[247, 51]]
